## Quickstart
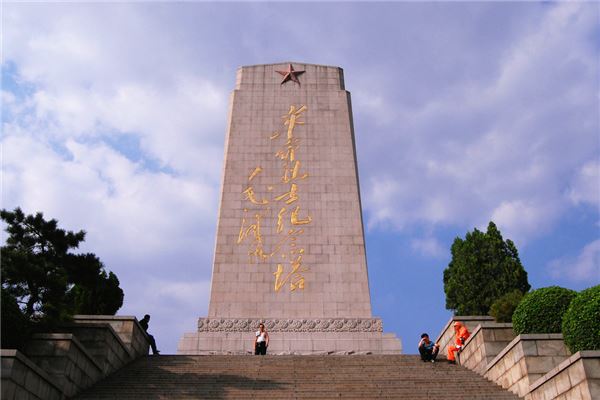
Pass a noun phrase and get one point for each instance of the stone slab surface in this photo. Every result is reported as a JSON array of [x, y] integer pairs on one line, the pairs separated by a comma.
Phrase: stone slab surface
[[127, 327], [526, 359], [64, 358], [578, 377], [484, 344], [22, 379]]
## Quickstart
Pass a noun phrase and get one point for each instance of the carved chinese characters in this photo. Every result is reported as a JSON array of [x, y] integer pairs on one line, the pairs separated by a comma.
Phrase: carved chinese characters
[[283, 196]]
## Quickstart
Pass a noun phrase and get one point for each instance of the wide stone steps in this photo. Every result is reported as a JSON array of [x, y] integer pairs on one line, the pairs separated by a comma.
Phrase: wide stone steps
[[294, 377]]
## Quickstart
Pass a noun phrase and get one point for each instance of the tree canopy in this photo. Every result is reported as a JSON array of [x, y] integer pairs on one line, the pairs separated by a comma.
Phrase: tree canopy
[[46, 279], [484, 267]]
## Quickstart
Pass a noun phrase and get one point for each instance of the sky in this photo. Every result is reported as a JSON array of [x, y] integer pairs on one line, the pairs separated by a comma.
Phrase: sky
[[114, 119]]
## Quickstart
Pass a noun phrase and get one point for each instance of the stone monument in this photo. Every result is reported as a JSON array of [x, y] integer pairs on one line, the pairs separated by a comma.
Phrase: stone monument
[[290, 247]]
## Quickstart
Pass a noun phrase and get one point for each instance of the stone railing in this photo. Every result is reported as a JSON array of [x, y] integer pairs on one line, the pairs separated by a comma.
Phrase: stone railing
[[577, 377], [533, 366], [486, 342], [60, 365]]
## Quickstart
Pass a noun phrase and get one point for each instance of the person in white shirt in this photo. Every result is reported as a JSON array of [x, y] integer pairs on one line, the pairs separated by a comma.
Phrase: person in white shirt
[[261, 341]]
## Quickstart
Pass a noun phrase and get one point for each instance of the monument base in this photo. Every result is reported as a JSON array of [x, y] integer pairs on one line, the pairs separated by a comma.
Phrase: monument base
[[291, 336]]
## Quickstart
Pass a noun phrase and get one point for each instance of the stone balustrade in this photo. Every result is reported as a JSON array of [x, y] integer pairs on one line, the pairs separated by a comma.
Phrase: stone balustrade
[[65, 358], [22, 379], [127, 327], [533, 366], [485, 343], [526, 359], [576, 378], [59, 365], [103, 343]]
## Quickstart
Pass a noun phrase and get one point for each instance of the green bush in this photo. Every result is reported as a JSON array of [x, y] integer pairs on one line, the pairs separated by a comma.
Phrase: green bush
[[541, 310], [15, 326], [581, 322], [502, 309]]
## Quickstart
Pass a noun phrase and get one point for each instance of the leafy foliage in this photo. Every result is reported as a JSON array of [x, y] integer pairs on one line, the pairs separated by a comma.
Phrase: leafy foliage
[[581, 321], [502, 310], [49, 282], [15, 326], [484, 267], [542, 310]]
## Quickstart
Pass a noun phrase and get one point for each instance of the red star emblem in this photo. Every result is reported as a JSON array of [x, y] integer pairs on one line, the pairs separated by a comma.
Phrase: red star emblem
[[290, 75]]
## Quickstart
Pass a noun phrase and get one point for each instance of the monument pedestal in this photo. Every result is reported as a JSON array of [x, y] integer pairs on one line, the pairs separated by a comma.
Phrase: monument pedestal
[[289, 336]]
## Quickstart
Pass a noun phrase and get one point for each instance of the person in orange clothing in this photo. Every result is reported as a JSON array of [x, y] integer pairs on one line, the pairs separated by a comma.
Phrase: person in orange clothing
[[461, 334]]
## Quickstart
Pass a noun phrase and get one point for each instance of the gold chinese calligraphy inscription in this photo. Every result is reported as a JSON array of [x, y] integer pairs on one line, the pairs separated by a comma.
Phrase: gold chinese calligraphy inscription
[[290, 215]]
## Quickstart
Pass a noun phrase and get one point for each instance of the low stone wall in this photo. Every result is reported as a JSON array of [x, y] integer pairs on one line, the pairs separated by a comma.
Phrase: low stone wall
[[484, 344], [576, 378], [22, 379], [127, 327], [526, 359], [60, 365], [64, 358], [447, 336], [103, 343]]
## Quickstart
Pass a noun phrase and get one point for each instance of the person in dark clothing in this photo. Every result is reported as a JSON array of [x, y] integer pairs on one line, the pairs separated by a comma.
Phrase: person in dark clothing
[[428, 349], [144, 324]]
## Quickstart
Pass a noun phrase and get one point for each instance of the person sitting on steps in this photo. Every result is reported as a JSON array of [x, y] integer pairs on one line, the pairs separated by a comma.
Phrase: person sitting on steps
[[461, 334], [428, 349], [144, 324]]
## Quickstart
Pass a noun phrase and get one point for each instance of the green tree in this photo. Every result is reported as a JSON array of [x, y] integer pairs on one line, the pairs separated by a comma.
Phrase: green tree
[[484, 267], [47, 280], [503, 309]]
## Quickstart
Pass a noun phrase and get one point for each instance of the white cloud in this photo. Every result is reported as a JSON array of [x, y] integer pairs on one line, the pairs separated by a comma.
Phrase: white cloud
[[503, 147], [429, 246], [584, 267], [585, 187]]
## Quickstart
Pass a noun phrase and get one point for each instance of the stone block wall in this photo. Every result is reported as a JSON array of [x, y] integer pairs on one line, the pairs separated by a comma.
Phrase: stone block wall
[[22, 379], [576, 378], [485, 343], [103, 343], [526, 359], [65, 358], [127, 327], [60, 365]]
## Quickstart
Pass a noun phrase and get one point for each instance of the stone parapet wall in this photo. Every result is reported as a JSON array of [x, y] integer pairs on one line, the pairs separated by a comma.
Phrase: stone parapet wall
[[65, 358], [576, 378], [485, 343], [22, 379], [526, 359], [61, 365], [127, 327], [103, 343]]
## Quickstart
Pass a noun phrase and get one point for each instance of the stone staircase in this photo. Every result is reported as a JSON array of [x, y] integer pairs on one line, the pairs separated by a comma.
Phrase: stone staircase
[[293, 377]]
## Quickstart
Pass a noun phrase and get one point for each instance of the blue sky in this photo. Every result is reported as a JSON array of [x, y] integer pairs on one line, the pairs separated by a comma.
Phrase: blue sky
[[114, 116]]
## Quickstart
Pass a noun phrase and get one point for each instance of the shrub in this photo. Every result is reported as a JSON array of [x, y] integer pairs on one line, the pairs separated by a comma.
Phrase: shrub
[[502, 309], [541, 310], [15, 326], [581, 322]]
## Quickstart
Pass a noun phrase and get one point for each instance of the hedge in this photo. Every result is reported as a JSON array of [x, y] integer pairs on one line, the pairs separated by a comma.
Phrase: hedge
[[581, 322], [542, 310]]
